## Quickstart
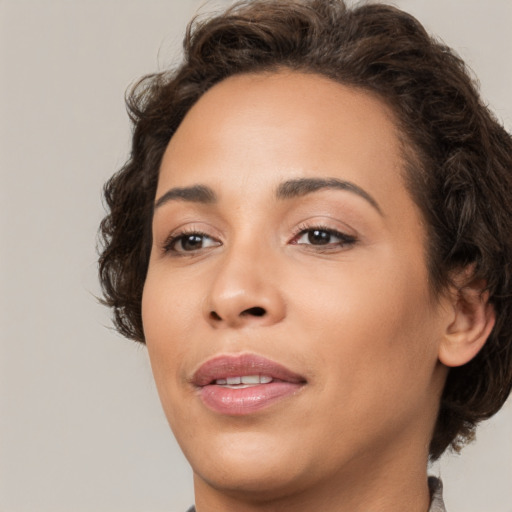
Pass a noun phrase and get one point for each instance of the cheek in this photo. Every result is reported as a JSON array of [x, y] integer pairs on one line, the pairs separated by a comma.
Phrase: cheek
[[168, 304], [166, 312], [374, 322]]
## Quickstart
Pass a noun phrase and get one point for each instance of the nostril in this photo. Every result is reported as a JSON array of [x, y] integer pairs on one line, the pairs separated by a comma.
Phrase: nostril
[[214, 315], [256, 311]]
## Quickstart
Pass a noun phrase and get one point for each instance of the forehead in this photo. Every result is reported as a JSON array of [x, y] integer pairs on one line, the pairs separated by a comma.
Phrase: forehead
[[265, 127]]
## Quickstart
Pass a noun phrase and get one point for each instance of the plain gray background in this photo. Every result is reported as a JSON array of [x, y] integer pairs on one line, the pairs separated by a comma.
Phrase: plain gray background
[[80, 423]]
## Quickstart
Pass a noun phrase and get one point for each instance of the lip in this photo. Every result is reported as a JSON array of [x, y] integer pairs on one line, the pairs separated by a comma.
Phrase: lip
[[247, 400]]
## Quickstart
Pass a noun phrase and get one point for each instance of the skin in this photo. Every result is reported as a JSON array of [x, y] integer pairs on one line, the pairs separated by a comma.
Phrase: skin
[[357, 320]]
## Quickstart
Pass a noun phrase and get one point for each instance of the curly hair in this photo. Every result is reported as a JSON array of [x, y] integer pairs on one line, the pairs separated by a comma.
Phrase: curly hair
[[459, 160]]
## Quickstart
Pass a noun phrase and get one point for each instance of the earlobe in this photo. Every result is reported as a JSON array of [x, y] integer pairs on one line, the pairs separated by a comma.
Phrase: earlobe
[[471, 325]]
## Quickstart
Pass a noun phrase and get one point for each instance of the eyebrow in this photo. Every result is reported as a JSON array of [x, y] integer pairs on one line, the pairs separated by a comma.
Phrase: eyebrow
[[303, 186], [194, 194], [286, 190]]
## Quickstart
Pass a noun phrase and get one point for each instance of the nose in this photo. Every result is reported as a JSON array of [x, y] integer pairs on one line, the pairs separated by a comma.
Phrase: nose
[[244, 291]]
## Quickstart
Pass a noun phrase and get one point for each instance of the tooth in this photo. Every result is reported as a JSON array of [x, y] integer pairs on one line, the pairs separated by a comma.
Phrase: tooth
[[221, 381], [233, 380], [265, 379], [250, 379]]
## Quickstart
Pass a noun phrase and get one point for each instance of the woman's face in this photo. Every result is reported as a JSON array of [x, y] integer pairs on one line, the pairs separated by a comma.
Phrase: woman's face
[[287, 310]]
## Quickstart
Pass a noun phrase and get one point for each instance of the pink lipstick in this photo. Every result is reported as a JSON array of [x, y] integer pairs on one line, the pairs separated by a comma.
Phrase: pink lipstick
[[243, 384]]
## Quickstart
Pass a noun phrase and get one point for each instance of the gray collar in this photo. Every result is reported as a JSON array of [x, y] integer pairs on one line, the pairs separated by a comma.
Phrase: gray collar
[[436, 495]]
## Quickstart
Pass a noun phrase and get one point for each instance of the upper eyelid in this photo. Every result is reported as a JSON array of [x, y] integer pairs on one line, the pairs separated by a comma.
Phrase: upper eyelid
[[332, 231], [193, 227], [326, 224]]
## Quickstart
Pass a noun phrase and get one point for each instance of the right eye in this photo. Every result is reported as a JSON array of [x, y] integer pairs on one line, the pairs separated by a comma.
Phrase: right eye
[[189, 243]]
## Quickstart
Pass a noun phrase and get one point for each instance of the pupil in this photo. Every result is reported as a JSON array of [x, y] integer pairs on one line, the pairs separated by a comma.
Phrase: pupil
[[318, 237], [192, 242]]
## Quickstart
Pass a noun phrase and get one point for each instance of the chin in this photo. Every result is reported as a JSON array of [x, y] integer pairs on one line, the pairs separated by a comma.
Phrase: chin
[[246, 463]]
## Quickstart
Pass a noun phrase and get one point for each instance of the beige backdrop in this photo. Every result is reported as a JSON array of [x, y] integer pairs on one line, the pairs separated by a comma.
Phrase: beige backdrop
[[80, 423]]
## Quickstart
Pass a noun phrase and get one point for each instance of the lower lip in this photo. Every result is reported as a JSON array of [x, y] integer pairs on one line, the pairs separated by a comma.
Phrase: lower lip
[[238, 402]]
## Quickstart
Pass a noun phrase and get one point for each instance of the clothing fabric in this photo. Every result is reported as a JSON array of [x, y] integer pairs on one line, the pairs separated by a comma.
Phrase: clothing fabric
[[436, 496]]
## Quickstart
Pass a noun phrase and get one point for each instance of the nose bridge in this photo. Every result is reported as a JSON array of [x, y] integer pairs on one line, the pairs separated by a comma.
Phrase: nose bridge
[[244, 289]]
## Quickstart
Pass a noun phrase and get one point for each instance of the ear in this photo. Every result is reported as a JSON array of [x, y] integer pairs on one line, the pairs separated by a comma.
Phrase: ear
[[470, 325]]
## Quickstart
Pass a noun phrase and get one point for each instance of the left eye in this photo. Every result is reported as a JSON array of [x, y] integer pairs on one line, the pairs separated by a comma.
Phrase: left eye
[[323, 237]]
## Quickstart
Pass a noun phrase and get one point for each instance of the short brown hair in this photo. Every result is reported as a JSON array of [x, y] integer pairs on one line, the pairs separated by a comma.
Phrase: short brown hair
[[459, 171]]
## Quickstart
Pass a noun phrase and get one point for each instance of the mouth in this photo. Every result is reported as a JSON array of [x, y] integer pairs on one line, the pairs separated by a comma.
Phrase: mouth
[[243, 384]]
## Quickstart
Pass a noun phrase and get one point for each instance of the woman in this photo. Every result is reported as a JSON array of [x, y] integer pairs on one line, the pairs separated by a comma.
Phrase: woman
[[312, 236]]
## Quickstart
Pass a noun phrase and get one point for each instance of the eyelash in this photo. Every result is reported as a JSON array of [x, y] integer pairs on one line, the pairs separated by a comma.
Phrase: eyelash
[[345, 240]]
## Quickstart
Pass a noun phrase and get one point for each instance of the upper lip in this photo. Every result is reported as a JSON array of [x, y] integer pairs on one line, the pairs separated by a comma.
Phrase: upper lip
[[223, 366]]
